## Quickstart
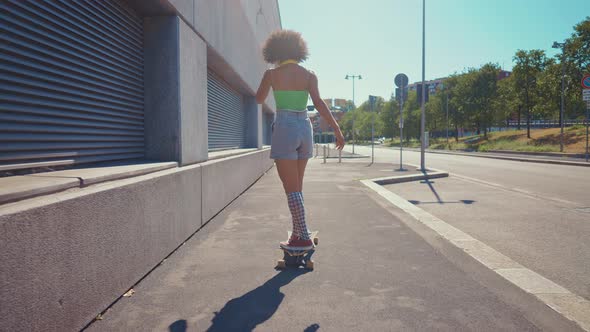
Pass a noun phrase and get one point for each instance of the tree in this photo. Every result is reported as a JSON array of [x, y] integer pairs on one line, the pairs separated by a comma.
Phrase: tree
[[346, 125], [451, 88], [484, 91], [462, 99], [435, 112], [549, 90], [389, 118], [529, 65], [577, 48], [363, 120], [577, 61], [506, 103], [411, 113]]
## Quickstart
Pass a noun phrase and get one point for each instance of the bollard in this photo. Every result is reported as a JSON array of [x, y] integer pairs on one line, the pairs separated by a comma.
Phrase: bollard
[[339, 156], [324, 154], [328, 150]]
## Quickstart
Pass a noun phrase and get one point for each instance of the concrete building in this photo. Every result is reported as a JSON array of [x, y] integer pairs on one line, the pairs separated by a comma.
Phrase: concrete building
[[432, 85], [438, 84], [125, 126], [340, 102], [503, 74], [322, 131]]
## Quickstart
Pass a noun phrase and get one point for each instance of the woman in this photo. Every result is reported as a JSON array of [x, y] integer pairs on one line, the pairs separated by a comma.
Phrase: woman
[[292, 137]]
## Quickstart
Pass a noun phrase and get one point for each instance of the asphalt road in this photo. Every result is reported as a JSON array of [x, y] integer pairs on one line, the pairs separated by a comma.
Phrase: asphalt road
[[536, 214], [569, 184]]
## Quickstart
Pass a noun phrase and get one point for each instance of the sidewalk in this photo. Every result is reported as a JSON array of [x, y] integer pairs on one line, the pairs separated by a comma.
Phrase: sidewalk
[[372, 272]]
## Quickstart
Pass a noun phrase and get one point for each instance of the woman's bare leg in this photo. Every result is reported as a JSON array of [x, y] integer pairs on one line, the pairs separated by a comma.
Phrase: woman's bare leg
[[301, 164], [289, 173]]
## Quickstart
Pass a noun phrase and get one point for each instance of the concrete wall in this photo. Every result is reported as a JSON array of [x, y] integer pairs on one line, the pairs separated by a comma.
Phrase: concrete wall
[[65, 257], [193, 95], [225, 36], [162, 97], [222, 184], [175, 91]]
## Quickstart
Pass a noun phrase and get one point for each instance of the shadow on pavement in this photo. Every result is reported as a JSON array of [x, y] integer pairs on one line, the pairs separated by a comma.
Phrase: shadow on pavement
[[433, 190], [244, 313], [464, 201], [178, 326], [439, 200], [312, 328]]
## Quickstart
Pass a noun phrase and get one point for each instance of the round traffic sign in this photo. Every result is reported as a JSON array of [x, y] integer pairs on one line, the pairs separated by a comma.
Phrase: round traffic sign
[[401, 80], [586, 81]]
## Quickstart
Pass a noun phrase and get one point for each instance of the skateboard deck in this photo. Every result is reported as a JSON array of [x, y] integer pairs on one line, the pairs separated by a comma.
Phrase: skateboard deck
[[297, 258]]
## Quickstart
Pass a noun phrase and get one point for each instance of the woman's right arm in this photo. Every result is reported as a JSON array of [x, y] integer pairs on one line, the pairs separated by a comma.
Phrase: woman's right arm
[[324, 111], [264, 88]]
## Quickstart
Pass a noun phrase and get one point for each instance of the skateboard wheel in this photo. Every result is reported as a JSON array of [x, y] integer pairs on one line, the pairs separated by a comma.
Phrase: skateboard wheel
[[316, 241], [309, 265], [281, 264]]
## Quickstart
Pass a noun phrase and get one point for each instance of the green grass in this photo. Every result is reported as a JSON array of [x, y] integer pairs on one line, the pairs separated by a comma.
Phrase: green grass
[[515, 145], [413, 143], [542, 140]]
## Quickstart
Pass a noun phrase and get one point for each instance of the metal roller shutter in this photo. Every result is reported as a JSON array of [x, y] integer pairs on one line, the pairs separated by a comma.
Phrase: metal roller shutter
[[226, 115], [71, 83]]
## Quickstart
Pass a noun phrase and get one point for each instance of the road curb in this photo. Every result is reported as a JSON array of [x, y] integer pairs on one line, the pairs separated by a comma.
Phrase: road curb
[[522, 159], [569, 305], [546, 154], [410, 177]]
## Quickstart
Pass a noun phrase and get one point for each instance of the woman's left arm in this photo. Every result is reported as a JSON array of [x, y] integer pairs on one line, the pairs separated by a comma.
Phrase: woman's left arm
[[264, 88]]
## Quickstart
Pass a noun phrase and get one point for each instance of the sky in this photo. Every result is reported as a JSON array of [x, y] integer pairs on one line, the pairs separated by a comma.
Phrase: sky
[[378, 39]]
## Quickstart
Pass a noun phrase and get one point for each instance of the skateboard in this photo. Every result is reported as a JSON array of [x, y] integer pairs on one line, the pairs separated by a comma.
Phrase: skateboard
[[297, 258]]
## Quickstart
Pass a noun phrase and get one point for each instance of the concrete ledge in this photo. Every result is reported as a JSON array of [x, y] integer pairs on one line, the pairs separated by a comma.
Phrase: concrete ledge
[[18, 187], [225, 179], [66, 257], [88, 176], [230, 153], [410, 177], [26, 186]]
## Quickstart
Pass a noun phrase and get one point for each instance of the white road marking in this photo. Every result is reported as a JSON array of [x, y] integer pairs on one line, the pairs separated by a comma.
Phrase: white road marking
[[568, 304], [514, 189]]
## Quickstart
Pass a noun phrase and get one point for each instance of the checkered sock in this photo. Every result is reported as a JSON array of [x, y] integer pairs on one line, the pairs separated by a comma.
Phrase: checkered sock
[[295, 200]]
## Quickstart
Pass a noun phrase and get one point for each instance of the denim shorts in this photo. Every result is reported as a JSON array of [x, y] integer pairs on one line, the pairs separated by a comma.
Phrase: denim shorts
[[292, 136]]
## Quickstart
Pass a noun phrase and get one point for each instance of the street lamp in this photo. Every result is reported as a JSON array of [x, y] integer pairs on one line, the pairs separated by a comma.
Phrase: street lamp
[[422, 102], [353, 77], [561, 119]]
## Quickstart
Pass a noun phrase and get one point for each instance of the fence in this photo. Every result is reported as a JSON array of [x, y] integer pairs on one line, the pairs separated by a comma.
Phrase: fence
[[545, 123]]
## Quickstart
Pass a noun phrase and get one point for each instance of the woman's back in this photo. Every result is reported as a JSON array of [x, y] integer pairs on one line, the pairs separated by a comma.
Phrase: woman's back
[[290, 77], [290, 84]]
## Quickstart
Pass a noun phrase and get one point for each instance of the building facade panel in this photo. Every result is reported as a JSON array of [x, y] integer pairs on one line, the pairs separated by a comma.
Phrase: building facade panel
[[72, 84], [193, 96], [125, 78], [226, 115]]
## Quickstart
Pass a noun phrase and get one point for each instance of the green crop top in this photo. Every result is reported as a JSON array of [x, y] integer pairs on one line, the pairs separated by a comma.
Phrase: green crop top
[[291, 100]]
